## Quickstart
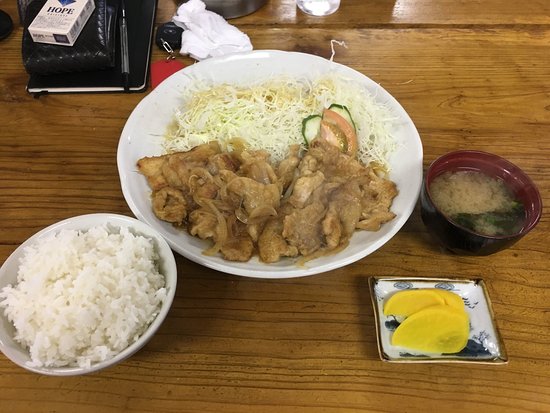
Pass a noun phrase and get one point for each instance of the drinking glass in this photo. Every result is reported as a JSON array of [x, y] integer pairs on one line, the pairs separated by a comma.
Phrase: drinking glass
[[318, 7]]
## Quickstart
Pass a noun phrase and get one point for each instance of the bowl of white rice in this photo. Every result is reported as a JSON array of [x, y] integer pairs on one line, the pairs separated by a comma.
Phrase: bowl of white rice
[[84, 294]]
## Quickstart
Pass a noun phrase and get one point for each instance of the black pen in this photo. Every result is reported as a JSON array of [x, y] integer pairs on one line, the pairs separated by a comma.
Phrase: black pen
[[125, 65]]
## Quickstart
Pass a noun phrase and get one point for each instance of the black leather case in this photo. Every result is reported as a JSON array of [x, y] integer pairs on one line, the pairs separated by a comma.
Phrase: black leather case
[[94, 48]]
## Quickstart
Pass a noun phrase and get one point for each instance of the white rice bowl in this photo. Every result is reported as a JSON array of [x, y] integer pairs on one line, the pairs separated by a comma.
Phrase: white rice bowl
[[84, 294]]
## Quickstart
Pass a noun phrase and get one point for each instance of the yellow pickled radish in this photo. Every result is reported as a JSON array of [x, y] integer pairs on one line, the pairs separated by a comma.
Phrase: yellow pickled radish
[[435, 329], [407, 302], [450, 298]]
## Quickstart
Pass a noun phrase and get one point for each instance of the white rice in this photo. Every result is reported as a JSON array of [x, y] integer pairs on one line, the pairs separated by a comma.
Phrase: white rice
[[83, 297]]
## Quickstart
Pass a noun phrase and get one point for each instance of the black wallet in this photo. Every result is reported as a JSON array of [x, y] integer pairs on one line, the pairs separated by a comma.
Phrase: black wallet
[[93, 50]]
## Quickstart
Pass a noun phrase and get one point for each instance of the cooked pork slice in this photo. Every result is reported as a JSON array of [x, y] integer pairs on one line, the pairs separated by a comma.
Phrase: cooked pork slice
[[378, 195], [207, 190], [181, 167], [287, 169], [375, 219], [184, 163], [303, 188], [239, 248], [230, 198], [347, 201], [254, 194], [169, 205], [203, 224], [171, 175], [309, 163], [255, 230], [202, 153], [259, 170], [302, 228], [227, 175], [247, 156], [333, 163], [344, 212], [385, 189], [377, 192], [271, 244], [332, 228], [201, 184], [151, 168], [222, 161]]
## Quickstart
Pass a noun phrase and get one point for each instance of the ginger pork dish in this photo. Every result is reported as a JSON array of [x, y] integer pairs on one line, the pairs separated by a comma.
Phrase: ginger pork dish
[[306, 205]]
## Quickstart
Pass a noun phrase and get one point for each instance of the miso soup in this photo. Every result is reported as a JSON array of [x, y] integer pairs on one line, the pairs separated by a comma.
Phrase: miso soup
[[478, 202]]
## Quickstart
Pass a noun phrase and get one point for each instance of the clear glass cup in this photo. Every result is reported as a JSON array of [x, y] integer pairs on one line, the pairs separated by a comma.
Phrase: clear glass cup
[[318, 7]]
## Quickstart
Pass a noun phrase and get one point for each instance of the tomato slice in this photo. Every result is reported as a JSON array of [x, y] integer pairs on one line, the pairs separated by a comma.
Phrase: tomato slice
[[336, 130]]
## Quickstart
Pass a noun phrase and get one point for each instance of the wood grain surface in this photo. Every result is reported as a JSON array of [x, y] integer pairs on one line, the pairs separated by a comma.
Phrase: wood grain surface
[[471, 74]]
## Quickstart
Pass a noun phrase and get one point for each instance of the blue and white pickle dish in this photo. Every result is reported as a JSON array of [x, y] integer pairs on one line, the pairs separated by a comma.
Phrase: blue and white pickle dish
[[484, 343]]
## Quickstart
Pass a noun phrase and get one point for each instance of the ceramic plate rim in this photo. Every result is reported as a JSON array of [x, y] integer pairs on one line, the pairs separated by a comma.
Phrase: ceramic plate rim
[[135, 190], [499, 359]]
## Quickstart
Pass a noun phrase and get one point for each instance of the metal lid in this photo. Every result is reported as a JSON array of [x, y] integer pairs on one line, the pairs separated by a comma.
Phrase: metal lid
[[230, 9]]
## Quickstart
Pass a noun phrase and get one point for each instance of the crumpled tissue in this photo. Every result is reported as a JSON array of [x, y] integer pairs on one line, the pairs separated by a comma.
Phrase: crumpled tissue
[[207, 34]]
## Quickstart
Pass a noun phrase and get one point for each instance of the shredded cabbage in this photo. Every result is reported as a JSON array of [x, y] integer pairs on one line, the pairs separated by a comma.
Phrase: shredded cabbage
[[268, 115]]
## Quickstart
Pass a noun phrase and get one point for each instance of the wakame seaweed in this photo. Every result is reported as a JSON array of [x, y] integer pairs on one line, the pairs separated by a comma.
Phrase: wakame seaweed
[[494, 222]]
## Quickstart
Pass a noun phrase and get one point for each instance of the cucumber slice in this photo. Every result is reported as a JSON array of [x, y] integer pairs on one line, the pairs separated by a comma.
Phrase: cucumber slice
[[310, 128], [344, 112]]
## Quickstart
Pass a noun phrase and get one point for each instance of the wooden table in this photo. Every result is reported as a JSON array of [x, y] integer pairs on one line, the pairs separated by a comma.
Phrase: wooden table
[[471, 74]]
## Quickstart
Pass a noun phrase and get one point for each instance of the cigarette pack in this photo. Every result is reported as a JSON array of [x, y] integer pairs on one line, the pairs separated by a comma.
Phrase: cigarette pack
[[61, 21]]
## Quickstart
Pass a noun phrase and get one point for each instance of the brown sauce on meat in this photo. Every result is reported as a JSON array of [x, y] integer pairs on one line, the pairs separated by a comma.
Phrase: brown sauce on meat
[[307, 205]]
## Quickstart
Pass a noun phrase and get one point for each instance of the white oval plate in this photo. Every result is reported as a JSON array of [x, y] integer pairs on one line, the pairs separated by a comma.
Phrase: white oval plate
[[144, 133]]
